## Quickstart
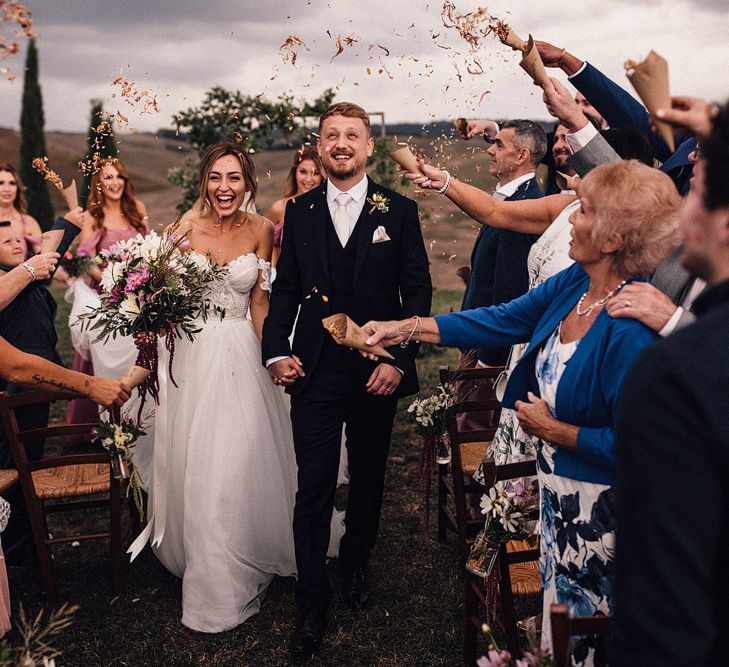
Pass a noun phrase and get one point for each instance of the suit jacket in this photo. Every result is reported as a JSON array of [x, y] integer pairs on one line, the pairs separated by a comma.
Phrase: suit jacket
[[588, 391], [499, 267], [672, 461], [391, 279], [621, 109]]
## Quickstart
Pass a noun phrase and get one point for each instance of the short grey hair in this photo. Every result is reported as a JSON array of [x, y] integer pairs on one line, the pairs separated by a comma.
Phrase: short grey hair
[[529, 135]]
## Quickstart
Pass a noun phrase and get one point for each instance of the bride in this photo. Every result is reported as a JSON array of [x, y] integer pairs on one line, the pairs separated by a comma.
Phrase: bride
[[224, 483]]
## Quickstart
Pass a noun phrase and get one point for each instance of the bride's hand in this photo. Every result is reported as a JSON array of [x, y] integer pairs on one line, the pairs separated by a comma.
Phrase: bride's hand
[[286, 371]]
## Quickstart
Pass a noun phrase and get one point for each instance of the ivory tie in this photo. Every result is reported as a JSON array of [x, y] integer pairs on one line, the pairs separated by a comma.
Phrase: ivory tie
[[341, 218]]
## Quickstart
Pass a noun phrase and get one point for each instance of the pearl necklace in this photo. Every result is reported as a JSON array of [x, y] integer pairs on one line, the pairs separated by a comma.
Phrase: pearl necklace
[[588, 311]]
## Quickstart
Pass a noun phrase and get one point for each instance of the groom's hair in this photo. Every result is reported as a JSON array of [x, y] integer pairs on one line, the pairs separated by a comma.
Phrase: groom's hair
[[347, 109]]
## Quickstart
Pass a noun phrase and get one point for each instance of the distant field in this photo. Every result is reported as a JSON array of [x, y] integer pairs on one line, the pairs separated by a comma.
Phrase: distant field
[[448, 233]]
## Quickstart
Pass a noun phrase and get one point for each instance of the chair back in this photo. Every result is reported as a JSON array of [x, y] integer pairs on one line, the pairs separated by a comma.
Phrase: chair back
[[565, 626]]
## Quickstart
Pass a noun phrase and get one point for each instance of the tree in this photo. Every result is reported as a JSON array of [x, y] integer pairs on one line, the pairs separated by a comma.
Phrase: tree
[[226, 115], [33, 142], [100, 144]]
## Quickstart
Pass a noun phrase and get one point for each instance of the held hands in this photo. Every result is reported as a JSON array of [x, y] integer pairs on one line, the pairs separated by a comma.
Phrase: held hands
[[286, 371], [107, 391], [384, 380], [43, 264], [534, 417], [642, 302], [689, 115], [562, 106]]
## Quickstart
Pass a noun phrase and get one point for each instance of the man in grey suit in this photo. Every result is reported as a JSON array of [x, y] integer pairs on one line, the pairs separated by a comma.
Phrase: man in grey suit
[[663, 304]]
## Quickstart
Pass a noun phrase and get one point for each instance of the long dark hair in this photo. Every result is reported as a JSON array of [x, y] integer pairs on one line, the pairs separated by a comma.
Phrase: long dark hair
[[304, 153], [95, 202], [19, 202]]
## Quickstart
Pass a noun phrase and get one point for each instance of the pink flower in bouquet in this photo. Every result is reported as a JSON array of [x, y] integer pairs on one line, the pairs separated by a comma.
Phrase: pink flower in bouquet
[[528, 660], [494, 659], [67, 255], [83, 252], [117, 294], [135, 279]]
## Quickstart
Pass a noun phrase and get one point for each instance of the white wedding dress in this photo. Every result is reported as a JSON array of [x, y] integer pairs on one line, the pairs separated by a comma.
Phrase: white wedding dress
[[224, 483]]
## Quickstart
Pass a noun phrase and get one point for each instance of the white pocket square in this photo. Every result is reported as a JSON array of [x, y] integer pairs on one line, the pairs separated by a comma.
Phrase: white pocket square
[[380, 235]]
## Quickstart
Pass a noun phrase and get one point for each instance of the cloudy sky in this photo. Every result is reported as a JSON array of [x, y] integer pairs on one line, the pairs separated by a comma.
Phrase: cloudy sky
[[178, 49]]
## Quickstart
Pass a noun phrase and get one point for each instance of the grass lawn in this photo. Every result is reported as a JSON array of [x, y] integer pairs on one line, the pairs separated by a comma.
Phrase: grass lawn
[[415, 619]]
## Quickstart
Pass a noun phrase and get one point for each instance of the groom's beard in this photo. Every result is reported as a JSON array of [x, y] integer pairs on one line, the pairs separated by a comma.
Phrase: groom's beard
[[343, 170]]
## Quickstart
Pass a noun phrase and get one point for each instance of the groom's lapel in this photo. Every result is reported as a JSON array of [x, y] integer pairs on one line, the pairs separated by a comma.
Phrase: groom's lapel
[[319, 221], [367, 224]]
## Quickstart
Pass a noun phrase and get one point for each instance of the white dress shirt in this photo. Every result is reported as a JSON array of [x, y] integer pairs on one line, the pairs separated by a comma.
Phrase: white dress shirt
[[505, 191], [358, 193]]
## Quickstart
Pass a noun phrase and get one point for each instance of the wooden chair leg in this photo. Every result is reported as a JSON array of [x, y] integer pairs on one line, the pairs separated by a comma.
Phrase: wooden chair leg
[[470, 633], [442, 500], [507, 606], [560, 620], [38, 526], [116, 542]]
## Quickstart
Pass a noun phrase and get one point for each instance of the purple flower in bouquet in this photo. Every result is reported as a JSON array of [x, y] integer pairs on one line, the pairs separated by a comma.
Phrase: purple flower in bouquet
[[135, 279], [83, 252], [117, 294]]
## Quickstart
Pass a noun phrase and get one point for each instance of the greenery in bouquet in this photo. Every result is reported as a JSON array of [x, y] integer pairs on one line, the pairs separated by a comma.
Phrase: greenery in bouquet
[[77, 261], [152, 288], [118, 437], [432, 415]]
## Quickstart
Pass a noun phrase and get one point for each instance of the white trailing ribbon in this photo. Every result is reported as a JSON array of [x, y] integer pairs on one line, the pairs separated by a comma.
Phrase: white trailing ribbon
[[154, 531]]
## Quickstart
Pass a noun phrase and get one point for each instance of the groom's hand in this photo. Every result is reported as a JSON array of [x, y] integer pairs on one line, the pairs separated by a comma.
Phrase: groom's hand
[[384, 380], [286, 371]]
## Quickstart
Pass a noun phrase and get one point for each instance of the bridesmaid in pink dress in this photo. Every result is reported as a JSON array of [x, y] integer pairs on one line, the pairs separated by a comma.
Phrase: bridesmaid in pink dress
[[113, 214], [306, 173], [13, 207]]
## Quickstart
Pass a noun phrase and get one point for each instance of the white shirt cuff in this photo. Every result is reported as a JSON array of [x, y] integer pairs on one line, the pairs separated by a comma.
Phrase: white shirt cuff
[[669, 326], [579, 71], [580, 139], [273, 360]]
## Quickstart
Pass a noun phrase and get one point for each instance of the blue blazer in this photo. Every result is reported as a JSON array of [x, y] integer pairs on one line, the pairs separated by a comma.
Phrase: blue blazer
[[621, 109], [588, 392], [499, 268]]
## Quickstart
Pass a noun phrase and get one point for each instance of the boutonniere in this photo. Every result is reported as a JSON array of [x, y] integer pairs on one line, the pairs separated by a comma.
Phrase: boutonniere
[[379, 202]]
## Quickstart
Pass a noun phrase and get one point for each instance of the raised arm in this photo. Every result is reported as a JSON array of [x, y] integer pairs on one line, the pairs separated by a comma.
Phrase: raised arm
[[529, 216]]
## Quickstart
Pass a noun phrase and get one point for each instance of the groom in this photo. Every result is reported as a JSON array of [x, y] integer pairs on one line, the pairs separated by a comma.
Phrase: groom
[[349, 246]]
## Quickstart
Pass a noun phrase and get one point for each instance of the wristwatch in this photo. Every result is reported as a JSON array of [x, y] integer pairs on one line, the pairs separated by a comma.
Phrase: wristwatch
[[29, 269]]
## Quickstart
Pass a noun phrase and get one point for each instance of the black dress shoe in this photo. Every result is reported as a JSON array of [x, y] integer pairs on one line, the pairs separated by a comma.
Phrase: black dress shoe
[[308, 635], [356, 589]]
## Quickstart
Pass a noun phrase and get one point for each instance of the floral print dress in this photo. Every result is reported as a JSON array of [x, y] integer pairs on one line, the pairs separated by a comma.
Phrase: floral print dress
[[577, 526]]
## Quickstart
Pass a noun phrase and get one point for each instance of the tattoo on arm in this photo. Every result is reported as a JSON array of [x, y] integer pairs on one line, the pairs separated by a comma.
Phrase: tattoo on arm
[[39, 379]]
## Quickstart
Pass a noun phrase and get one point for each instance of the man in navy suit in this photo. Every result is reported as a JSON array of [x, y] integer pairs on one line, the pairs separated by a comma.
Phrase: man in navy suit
[[499, 256], [620, 109]]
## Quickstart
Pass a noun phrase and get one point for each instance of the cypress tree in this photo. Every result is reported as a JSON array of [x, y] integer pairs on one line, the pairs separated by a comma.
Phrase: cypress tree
[[100, 144], [33, 142]]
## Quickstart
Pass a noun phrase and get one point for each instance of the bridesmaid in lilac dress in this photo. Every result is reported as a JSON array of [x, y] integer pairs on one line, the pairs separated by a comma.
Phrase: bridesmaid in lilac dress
[[113, 214], [13, 207]]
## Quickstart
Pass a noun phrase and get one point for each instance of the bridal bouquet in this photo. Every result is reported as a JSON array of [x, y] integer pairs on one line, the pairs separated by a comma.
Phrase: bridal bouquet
[[509, 510], [76, 261], [151, 288], [432, 415], [118, 437]]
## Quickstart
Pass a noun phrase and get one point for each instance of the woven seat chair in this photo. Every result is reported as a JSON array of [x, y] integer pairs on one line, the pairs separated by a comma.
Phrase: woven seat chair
[[74, 482], [468, 449], [519, 575], [565, 626]]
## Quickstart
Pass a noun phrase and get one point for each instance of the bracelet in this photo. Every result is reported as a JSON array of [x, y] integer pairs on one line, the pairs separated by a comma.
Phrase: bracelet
[[561, 58], [418, 323], [29, 269], [444, 189]]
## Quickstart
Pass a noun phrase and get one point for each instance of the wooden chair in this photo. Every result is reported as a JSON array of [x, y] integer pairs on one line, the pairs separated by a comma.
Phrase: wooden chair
[[468, 449], [565, 626], [73, 481]]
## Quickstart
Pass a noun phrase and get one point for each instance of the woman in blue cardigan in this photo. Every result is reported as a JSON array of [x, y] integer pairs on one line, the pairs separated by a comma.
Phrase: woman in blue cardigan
[[565, 387]]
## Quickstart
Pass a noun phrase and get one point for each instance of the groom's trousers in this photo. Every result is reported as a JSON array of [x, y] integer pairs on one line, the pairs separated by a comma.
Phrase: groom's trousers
[[335, 394]]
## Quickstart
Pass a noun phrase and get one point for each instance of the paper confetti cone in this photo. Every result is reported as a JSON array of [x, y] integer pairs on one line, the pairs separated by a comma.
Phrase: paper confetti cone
[[406, 159], [51, 240], [345, 332], [532, 63], [650, 80], [135, 375]]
